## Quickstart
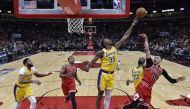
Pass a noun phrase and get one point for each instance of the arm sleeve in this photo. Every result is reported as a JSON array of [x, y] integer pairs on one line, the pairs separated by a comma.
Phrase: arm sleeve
[[165, 74], [149, 62], [22, 71]]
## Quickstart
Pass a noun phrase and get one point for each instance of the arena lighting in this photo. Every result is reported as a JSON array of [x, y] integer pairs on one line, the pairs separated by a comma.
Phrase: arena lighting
[[181, 9], [168, 10], [9, 12], [131, 12], [0, 11], [154, 11]]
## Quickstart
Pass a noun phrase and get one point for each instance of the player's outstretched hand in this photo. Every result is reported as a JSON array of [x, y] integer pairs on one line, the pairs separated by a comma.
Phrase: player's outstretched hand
[[37, 82], [179, 79], [85, 66], [143, 35]]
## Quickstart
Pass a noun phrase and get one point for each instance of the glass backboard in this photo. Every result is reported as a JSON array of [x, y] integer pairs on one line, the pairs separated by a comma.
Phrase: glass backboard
[[89, 9]]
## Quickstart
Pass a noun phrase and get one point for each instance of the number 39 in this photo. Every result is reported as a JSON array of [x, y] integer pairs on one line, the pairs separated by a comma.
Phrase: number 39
[[111, 59]]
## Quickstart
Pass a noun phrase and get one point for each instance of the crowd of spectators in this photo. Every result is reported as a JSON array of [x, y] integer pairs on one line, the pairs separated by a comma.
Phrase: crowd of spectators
[[169, 37]]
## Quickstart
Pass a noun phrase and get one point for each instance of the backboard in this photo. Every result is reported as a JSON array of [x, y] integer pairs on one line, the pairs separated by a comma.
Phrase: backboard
[[89, 9]]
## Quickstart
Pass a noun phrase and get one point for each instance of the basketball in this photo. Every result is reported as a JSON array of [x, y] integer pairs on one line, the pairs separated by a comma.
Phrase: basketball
[[140, 12]]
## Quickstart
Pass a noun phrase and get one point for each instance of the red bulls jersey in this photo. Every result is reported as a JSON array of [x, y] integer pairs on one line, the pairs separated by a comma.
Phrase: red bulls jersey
[[151, 75], [70, 72]]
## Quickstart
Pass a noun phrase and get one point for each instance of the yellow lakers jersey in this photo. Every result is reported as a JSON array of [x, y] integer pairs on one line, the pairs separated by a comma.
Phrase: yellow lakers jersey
[[137, 74], [109, 60], [27, 76]]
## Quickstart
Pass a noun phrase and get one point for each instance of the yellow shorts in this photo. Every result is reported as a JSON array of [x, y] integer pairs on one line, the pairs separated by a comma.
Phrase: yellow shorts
[[105, 81], [21, 93]]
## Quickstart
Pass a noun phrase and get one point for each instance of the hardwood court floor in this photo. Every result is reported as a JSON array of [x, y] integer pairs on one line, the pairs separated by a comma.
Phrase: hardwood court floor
[[52, 61]]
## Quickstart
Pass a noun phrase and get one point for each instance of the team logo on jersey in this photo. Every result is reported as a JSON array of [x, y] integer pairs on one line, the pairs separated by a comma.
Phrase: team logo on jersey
[[154, 77], [111, 53]]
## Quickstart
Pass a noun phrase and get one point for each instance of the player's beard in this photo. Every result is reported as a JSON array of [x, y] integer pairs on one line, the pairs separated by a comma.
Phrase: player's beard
[[30, 65], [111, 44], [140, 62], [72, 62]]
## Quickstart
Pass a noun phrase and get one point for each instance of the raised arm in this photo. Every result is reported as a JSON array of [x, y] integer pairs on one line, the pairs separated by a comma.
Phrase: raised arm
[[21, 80], [127, 34], [99, 54], [38, 74], [146, 45], [41, 75], [171, 80]]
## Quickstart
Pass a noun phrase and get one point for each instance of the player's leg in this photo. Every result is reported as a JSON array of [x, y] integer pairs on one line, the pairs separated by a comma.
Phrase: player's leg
[[32, 100], [72, 92], [31, 97], [107, 99], [19, 96], [109, 87], [73, 100], [99, 98], [101, 82], [65, 92], [67, 98]]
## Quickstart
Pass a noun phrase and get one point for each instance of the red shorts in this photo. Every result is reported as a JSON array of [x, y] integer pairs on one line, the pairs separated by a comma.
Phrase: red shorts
[[143, 93], [68, 87]]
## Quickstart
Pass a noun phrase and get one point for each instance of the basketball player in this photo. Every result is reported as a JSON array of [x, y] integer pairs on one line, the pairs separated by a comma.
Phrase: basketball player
[[22, 88], [151, 74], [137, 73], [109, 59], [69, 75]]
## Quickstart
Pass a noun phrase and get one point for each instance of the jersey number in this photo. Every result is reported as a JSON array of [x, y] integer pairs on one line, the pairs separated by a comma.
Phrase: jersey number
[[111, 59], [136, 77]]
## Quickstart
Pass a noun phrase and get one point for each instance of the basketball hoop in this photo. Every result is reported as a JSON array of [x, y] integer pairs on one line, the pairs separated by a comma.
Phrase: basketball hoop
[[75, 25]]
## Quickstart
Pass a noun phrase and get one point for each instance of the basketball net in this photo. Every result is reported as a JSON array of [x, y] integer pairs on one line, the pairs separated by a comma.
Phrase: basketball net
[[75, 25]]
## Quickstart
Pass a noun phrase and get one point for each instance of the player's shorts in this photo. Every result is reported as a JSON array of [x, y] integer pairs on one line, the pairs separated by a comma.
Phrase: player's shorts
[[106, 80], [20, 93], [143, 93], [68, 88]]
